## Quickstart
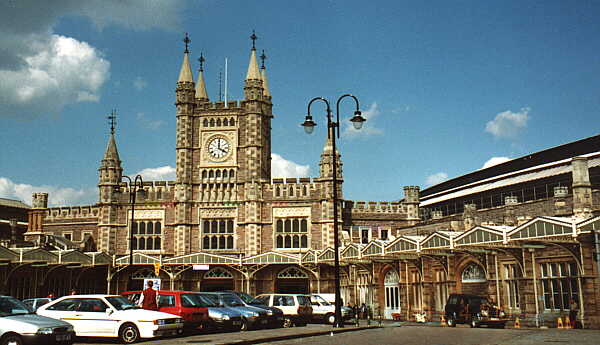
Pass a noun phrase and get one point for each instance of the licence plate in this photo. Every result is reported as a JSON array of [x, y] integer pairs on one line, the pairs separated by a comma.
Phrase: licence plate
[[235, 323], [63, 337]]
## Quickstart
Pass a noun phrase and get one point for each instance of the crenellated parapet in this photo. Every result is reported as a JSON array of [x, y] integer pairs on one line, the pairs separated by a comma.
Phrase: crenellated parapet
[[358, 207], [293, 188], [54, 214], [153, 191]]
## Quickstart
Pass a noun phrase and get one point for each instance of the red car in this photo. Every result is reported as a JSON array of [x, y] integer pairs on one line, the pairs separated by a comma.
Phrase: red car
[[181, 303]]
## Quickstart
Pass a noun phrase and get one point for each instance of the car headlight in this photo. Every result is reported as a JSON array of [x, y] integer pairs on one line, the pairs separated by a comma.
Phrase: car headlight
[[269, 312], [225, 317], [160, 322], [45, 330]]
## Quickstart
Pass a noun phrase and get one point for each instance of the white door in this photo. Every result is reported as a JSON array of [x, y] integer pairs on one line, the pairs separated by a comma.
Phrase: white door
[[392, 294]]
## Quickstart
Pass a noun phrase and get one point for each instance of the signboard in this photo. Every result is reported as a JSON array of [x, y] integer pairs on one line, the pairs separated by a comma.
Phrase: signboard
[[155, 281], [201, 267]]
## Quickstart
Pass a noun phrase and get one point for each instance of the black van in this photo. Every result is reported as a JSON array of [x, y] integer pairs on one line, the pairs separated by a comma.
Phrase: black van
[[473, 310]]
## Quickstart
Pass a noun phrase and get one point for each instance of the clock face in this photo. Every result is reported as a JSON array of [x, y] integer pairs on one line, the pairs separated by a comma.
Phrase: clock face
[[218, 148]]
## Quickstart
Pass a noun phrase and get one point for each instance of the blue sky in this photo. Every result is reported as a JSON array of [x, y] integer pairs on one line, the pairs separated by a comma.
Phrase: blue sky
[[446, 85]]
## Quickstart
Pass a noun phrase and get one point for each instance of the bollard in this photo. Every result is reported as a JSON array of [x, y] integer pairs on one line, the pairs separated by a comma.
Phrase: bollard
[[357, 319], [559, 323], [368, 319], [380, 320], [517, 323]]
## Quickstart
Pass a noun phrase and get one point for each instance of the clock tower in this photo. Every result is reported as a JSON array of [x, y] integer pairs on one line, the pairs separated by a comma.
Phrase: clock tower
[[223, 159]]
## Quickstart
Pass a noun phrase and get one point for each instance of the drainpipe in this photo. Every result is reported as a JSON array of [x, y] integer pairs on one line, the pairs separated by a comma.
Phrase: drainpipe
[[535, 287], [407, 293], [597, 244], [497, 280]]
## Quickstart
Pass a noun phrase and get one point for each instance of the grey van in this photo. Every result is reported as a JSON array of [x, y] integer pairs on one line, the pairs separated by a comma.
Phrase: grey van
[[20, 325], [252, 317]]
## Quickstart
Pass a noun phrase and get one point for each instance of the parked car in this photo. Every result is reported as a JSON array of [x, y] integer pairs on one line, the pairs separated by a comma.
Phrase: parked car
[[274, 315], [220, 317], [473, 310], [325, 311], [192, 310], [252, 317], [34, 303], [297, 309], [111, 316], [19, 325]]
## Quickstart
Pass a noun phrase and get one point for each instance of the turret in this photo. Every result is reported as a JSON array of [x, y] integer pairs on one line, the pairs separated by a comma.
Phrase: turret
[[186, 100], [326, 163], [253, 86], [582, 188], [110, 171]]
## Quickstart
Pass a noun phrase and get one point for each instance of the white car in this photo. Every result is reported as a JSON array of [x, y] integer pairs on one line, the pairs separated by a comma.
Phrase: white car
[[325, 311], [111, 316]]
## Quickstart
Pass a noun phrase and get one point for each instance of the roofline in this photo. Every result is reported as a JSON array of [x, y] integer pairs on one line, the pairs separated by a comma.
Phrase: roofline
[[556, 153]]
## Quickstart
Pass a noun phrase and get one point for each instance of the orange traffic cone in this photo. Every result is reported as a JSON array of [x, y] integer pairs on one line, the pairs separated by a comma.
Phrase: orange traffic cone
[[443, 321], [568, 322], [517, 323], [559, 322]]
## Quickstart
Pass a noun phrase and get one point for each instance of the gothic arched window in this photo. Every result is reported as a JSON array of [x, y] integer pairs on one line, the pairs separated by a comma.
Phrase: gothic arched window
[[218, 273], [292, 272], [473, 273]]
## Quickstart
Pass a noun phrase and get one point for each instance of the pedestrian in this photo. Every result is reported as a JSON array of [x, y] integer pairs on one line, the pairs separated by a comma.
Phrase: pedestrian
[[149, 297], [573, 311], [51, 294], [72, 292], [363, 311]]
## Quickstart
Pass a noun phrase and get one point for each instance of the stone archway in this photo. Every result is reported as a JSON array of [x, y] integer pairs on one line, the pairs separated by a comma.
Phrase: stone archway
[[217, 279], [292, 280], [391, 288], [473, 279]]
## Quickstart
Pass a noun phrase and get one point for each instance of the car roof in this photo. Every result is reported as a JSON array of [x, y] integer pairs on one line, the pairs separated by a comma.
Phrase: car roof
[[284, 294], [90, 296]]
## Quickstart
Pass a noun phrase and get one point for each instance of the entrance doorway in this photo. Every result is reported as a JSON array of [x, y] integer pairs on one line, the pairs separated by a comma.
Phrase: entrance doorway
[[392, 294], [292, 280]]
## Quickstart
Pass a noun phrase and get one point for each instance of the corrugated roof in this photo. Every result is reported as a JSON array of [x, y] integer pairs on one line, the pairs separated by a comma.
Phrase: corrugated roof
[[525, 175], [13, 203]]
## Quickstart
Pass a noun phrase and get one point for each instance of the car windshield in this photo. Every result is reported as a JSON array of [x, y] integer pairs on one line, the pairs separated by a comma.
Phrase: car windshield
[[193, 300], [262, 300], [231, 300], [121, 303], [245, 297], [12, 306]]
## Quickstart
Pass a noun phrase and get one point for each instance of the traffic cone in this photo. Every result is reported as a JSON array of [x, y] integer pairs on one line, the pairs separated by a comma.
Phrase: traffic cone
[[568, 322], [517, 323], [443, 321], [559, 322]]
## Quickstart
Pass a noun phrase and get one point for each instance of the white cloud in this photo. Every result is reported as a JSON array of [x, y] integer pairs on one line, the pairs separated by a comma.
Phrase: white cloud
[[165, 173], [139, 83], [436, 178], [494, 161], [281, 167], [42, 71], [149, 123], [57, 196], [369, 127], [508, 124], [61, 71]]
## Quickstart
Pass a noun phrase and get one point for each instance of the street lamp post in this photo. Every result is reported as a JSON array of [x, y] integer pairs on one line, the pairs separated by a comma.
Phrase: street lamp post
[[134, 184], [333, 130]]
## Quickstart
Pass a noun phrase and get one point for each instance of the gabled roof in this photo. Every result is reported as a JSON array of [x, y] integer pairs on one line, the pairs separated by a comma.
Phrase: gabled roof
[[272, 258], [202, 259], [482, 234], [542, 227]]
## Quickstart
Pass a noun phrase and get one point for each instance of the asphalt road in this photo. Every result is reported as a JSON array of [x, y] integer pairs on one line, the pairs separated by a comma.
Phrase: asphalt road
[[405, 335]]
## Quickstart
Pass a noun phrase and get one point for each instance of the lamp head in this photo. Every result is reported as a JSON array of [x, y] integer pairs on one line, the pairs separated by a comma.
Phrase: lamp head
[[309, 124], [357, 120]]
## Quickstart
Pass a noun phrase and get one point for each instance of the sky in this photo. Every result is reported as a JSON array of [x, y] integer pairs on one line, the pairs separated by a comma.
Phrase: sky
[[447, 87]]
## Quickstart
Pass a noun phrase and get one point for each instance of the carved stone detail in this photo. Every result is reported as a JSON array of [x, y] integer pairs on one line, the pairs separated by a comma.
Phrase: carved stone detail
[[147, 214], [218, 213], [282, 212]]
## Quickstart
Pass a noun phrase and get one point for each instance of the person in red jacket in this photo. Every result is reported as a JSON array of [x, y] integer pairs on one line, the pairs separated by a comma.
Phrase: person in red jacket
[[149, 297]]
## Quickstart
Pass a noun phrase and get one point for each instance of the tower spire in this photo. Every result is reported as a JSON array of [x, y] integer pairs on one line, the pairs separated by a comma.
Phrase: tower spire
[[200, 85], [185, 74], [263, 75], [253, 73]]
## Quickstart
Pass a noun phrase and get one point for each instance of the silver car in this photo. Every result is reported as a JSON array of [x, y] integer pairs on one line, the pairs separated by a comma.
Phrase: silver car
[[19, 325]]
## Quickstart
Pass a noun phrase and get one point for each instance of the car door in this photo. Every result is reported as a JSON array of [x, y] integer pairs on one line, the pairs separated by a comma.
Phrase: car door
[[63, 310], [166, 304], [93, 318]]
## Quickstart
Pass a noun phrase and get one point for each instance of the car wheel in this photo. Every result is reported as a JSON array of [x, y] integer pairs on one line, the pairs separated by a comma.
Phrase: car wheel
[[474, 324], [244, 326], [330, 318], [129, 334], [287, 322], [12, 339], [451, 322]]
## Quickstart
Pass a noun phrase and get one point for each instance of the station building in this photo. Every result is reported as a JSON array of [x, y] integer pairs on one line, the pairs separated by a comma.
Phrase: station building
[[522, 233]]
